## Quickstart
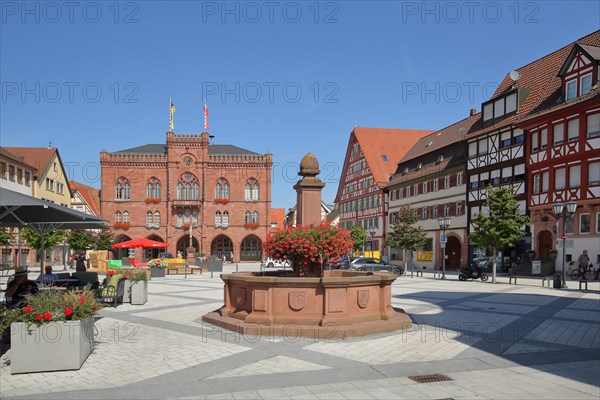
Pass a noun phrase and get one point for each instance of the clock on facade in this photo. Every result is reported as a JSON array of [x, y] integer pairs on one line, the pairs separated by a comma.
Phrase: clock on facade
[[187, 161]]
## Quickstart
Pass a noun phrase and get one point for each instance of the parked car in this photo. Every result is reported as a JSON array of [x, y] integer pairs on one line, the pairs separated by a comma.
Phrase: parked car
[[273, 263], [163, 256], [342, 263], [374, 264]]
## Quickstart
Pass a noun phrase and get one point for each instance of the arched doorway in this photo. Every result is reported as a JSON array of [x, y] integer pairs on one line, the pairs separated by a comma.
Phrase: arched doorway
[[183, 243], [153, 253], [453, 249], [221, 246], [544, 245], [251, 249], [121, 253]]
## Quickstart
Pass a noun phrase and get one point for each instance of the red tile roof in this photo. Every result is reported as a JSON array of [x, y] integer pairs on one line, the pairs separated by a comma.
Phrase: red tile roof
[[278, 216], [90, 195], [540, 77], [392, 143], [18, 159], [38, 157]]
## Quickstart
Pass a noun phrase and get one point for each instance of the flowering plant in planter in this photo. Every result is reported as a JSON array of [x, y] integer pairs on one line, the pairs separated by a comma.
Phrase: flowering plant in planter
[[51, 306], [157, 263], [308, 247]]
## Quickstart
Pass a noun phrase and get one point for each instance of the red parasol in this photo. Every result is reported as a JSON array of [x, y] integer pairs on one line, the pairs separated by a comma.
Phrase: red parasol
[[143, 242]]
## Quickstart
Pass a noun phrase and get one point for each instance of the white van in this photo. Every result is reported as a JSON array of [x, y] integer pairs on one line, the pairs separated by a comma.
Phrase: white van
[[273, 263]]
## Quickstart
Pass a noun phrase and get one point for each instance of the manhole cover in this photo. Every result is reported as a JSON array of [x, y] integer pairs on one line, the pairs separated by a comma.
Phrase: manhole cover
[[430, 378]]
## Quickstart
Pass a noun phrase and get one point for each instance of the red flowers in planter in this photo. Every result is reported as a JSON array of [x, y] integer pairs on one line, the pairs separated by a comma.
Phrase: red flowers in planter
[[69, 311], [111, 272], [222, 201], [121, 225], [152, 200], [251, 225], [308, 244], [28, 309], [47, 316]]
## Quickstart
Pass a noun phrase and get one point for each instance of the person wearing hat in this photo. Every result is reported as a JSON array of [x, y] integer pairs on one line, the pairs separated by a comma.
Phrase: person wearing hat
[[20, 286]]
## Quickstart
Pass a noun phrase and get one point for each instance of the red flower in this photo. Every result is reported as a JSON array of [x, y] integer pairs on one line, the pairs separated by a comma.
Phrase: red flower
[[124, 276], [47, 316], [38, 317], [94, 308], [80, 295], [111, 272], [28, 309], [82, 301], [68, 311]]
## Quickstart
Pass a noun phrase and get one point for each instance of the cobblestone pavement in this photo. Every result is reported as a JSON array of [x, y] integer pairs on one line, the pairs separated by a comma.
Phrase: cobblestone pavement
[[492, 341]]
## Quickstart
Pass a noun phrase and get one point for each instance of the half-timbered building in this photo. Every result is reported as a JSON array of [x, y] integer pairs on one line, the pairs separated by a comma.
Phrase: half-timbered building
[[371, 158], [430, 178], [563, 153]]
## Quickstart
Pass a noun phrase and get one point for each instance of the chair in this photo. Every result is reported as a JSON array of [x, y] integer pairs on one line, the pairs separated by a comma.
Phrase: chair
[[112, 290]]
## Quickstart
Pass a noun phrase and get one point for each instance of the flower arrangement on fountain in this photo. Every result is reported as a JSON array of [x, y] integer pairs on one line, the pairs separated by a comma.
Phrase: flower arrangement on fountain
[[157, 263], [309, 248], [51, 306]]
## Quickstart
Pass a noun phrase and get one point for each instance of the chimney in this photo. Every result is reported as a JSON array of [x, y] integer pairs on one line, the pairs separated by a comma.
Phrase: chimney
[[473, 112]]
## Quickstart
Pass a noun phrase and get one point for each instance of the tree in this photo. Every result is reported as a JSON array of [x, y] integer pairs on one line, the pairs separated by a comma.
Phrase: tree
[[406, 234], [504, 225], [34, 239], [80, 239], [359, 236], [104, 240], [5, 237]]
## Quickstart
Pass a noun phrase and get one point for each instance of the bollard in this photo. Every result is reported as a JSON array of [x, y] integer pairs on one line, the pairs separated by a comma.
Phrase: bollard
[[236, 268]]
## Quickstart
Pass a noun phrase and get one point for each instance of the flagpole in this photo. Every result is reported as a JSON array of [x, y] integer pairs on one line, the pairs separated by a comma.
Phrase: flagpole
[[170, 113]]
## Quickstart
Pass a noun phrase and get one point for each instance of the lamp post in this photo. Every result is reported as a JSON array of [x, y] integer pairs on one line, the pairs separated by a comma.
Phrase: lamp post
[[372, 233], [444, 223], [560, 210], [64, 254]]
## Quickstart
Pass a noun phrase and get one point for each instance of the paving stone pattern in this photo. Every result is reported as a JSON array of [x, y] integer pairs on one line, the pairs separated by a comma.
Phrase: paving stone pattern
[[494, 341]]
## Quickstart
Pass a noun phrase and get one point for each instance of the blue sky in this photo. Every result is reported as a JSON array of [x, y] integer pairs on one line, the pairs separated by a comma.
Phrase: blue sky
[[287, 77]]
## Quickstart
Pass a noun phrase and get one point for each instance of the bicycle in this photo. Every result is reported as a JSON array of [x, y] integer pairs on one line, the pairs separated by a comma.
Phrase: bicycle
[[582, 273]]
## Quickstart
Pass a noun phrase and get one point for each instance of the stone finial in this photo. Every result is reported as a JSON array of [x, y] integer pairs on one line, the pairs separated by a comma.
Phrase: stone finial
[[309, 166]]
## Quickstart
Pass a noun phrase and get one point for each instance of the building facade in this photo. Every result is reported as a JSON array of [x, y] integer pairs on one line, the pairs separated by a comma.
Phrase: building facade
[[371, 158], [563, 155], [431, 179], [216, 198]]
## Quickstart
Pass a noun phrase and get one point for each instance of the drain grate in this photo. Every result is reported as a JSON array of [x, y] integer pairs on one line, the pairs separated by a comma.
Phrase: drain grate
[[430, 378]]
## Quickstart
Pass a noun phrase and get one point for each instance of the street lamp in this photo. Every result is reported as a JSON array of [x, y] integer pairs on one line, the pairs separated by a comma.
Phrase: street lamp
[[372, 233], [444, 223], [560, 210]]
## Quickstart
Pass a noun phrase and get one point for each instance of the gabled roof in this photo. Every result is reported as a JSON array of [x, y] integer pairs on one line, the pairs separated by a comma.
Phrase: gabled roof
[[90, 195], [382, 148], [10, 156], [442, 138], [540, 78], [213, 149], [38, 157], [593, 52], [427, 152]]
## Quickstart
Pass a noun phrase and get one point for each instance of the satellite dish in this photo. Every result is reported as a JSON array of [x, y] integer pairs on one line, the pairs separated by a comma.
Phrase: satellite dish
[[514, 75]]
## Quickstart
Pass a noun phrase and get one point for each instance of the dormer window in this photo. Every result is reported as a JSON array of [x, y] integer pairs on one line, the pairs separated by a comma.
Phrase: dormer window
[[405, 171], [419, 165], [577, 72], [500, 107], [440, 159]]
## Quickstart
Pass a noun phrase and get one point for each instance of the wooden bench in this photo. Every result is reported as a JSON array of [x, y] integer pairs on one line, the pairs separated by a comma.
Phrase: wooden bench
[[544, 279], [174, 267]]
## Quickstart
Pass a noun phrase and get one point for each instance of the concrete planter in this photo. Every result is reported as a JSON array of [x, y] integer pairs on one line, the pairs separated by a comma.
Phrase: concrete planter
[[157, 272], [139, 293], [127, 292], [56, 346]]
